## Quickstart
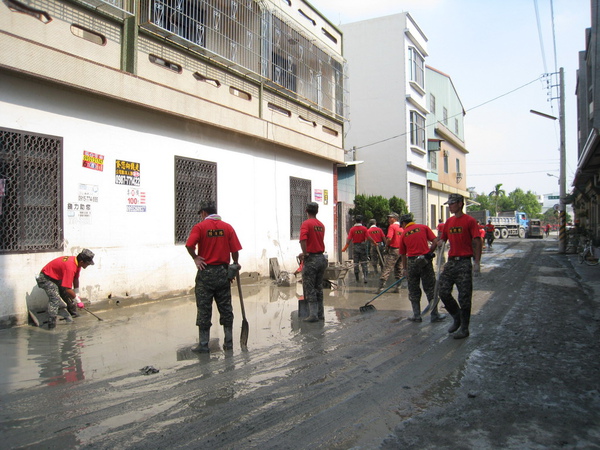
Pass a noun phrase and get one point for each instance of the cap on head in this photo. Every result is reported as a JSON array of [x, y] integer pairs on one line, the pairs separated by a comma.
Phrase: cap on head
[[208, 207], [87, 256], [312, 208], [372, 222], [406, 218], [454, 198], [393, 215]]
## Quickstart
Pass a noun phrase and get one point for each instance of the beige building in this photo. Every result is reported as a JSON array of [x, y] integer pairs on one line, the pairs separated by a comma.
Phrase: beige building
[[447, 151]]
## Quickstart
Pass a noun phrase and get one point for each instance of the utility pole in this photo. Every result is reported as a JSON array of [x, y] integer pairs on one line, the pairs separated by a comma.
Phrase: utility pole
[[562, 179], [562, 231]]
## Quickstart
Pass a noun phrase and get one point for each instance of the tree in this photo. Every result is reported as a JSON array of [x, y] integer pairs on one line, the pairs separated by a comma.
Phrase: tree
[[496, 194], [398, 206], [484, 202], [377, 207], [526, 202]]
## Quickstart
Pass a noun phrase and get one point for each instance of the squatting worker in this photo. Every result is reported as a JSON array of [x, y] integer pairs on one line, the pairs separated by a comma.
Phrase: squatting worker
[[462, 232], [312, 243], [489, 233], [417, 258], [377, 241], [60, 279], [216, 244], [358, 236], [392, 259]]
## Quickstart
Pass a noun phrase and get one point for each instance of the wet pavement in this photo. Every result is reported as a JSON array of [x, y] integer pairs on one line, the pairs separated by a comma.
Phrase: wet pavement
[[360, 374], [161, 333]]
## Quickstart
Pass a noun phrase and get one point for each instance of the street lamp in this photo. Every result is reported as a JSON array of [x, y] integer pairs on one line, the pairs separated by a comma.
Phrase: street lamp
[[555, 176], [562, 232]]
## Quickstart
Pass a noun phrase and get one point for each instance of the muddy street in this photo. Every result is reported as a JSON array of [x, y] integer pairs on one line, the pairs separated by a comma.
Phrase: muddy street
[[527, 377]]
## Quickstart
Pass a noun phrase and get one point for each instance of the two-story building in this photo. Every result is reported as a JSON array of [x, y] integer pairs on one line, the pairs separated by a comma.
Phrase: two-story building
[[118, 117]]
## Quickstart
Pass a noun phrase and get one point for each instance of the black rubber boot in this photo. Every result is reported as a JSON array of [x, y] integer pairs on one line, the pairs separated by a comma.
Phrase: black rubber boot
[[51, 322], [416, 307], [321, 311], [204, 337], [313, 312], [228, 344], [356, 276], [456, 324], [465, 318], [72, 308]]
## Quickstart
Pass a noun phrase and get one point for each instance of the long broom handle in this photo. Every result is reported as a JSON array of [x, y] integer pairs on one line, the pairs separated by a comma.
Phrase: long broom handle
[[239, 285]]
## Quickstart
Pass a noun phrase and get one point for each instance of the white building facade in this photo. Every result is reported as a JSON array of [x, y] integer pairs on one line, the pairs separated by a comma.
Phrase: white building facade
[[387, 108], [117, 118]]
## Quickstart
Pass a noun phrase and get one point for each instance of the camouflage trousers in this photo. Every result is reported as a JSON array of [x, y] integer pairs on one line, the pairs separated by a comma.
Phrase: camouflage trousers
[[360, 256], [312, 277], [392, 262], [420, 271], [212, 283], [377, 255], [55, 293], [459, 273]]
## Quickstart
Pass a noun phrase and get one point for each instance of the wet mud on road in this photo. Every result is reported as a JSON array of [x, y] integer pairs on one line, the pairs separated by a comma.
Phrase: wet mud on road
[[527, 377]]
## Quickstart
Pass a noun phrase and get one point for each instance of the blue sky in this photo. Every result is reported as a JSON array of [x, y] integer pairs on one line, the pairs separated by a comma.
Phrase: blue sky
[[490, 48]]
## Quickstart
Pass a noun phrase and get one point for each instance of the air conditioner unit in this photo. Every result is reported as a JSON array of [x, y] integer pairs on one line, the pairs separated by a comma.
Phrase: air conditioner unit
[[459, 176]]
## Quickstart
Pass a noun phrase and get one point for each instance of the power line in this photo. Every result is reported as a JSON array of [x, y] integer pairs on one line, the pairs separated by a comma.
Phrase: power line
[[455, 115]]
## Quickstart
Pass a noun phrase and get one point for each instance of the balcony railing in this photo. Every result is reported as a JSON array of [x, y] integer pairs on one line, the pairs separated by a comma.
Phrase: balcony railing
[[261, 43]]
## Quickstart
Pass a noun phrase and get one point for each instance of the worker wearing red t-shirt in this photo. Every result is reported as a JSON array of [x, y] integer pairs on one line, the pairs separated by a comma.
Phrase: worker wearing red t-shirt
[[358, 236], [312, 243], [392, 259], [462, 232], [217, 244], [376, 240], [417, 265], [489, 232], [60, 280]]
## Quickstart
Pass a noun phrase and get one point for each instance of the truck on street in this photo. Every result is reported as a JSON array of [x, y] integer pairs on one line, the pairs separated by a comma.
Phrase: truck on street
[[535, 229], [507, 223]]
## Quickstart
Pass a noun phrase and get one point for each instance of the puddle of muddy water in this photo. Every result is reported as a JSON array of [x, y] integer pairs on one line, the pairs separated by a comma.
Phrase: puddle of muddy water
[[161, 334]]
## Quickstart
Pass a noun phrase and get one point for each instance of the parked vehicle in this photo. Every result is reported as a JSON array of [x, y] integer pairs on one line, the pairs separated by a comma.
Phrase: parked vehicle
[[535, 229], [508, 223]]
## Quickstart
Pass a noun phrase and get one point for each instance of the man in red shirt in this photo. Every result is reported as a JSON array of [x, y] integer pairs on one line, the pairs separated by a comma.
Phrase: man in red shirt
[[377, 241], [358, 236], [312, 243], [489, 233], [392, 258], [462, 231], [217, 244], [60, 279], [418, 267]]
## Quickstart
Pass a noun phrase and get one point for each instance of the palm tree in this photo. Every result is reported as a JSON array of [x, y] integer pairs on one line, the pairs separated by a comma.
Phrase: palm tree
[[496, 194]]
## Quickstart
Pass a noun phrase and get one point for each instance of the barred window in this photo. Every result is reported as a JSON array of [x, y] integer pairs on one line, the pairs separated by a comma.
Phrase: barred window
[[30, 192], [195, 182], [299, 198]]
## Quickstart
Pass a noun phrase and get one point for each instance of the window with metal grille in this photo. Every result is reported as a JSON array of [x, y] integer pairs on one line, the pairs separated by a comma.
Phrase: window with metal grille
[[299, 198], [30, 192], [195, 182]]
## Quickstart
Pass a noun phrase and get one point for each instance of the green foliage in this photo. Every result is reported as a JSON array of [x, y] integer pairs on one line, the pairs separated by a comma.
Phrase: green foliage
[[377, 207], [517, 200], [527, 202]]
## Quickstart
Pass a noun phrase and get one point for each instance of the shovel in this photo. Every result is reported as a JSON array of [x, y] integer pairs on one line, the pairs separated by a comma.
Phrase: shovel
[[430, 307], [380, 257], [245, 326], [366, 307]]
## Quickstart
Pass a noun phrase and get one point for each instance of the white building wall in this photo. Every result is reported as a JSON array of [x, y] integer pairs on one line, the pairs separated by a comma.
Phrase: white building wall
[[135, 251], [380, 99]]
